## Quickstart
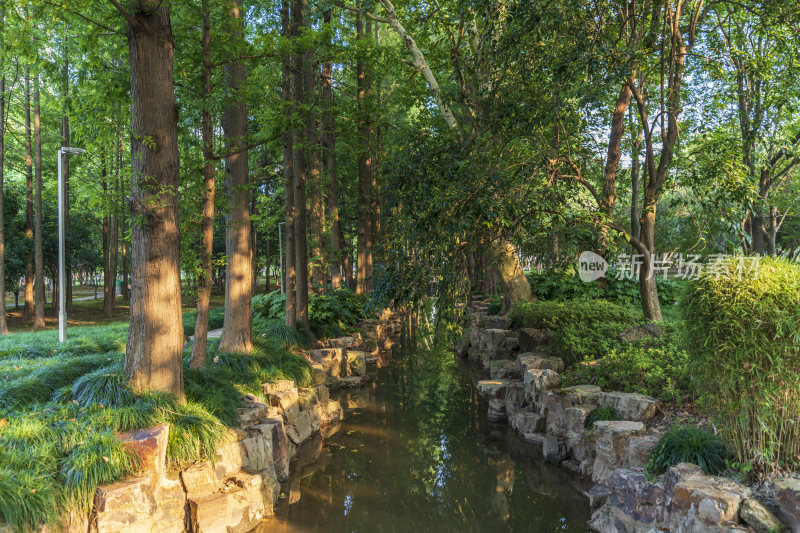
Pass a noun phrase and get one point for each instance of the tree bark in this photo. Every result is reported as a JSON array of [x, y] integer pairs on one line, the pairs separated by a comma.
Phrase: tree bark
[[155, 340], [237, 327], [636, 142], [199, 348], [509, 272], [39, 302], [28, 311], [364, 239], [772, 232], [299, 166], [290, 280], [65, 140], [3, 323], [329, 150], [313, 174]]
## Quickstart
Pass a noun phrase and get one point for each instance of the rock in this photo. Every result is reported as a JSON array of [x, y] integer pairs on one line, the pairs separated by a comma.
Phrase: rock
[[575, 418], [300, 426], [343, 342], [356, 363], [199, 479], [280, 445], [140, 505], [611, 445], [554, 449], [597, 496], [353, 382], [318, 374], [494, 343], [527, 422], [530, 338], [252, 413], [238, 509], [493, 388], [755, 515], [462, 346], [538, 381], [528, 359], [705, 504], [515, 397], [556, 364], [503, 369], [512, 343], [640, 448], [498, 322], [580, 394], [287, 402], [150, 445], [638, 333], [330, 358], [279, 385], [787, 495], [640, 501], [630, 406]]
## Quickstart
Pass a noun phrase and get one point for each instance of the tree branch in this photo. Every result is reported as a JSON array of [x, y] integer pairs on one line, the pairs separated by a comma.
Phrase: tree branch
[[367, 14], [132, 21]]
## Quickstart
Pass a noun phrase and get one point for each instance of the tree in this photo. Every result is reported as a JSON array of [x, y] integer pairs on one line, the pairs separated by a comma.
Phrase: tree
[[38, 311], [3, 324], [236, 332], [155, 336]]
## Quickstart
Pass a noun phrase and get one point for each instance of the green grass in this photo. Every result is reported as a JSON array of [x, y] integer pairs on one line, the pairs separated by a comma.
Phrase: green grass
[[61, 406], [601, 414], [686, 444]]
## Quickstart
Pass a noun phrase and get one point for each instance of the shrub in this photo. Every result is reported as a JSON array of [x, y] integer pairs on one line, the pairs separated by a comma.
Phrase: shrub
[[558, 315], [600, 414], [744, 336], [587, 340], [495, 305], [685, 444], [566, 285], [658, 369]]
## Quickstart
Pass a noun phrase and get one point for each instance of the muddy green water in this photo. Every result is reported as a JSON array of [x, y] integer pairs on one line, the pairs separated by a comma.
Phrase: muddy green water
[[416, 453]]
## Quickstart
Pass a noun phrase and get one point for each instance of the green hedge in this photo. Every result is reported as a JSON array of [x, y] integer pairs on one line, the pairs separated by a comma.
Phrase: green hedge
[[744, 336], [566, 285], [558, 315]]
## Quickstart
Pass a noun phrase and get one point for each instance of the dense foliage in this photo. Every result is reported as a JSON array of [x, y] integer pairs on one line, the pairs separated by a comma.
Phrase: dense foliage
[[566, 285], [744, 337]]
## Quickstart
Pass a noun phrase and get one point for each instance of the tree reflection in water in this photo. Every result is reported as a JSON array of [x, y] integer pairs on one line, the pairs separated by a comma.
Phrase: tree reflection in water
[[415, 452]]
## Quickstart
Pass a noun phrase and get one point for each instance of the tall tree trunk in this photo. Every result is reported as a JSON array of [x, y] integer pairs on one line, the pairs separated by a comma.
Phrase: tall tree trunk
[[329, 151], [648, 289], [155, 340], [3, 324], [65, 140], [772, 232], [509, 272], [237, 326], [38, 309], [199, 348], [108, 289], [299, 165], [312, 173], [126, 295], [28, 312], [364, 240], [290, 280], [254, 243], [636, 142], [113, 251]]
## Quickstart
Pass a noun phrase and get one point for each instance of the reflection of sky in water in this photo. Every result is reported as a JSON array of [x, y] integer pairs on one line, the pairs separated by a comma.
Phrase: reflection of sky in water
[[348, 503], [442, 467]]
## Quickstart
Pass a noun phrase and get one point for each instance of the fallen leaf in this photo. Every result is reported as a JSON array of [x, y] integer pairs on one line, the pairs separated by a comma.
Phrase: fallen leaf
[[105, 458], [3, 422]]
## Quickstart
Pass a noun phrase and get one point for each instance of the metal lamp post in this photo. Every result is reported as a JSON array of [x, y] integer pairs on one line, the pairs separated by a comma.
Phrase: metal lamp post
[[62, 253]]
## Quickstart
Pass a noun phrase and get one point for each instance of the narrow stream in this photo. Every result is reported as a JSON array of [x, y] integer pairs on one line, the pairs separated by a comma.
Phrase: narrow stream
[[416, 453]]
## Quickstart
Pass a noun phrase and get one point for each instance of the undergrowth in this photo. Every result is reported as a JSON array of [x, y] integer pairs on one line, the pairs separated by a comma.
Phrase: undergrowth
[[687, 444], [62, 406]]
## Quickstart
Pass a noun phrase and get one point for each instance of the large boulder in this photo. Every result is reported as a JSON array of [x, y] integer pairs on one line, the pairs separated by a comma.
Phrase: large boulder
[[787, 495], [140, 505], [755, 515], [498, 322], [527, 422], [638, 333], [331, 360], [274, 427], [705, 504], [538, 381], [531, 338], [633, 503], [237, 509], [612, 439], [356, 363], [150, 445], [630, 406]]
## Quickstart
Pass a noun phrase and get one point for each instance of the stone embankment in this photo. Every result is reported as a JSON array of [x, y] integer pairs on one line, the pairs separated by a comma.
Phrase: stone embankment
[[525, 391], [240, 487]]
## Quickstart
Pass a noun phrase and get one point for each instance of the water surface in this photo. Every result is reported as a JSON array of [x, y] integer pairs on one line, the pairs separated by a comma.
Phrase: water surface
[[415, 452]]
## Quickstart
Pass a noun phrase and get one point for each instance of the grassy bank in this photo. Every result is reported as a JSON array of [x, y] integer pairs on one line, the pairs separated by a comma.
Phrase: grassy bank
[[61, 406]]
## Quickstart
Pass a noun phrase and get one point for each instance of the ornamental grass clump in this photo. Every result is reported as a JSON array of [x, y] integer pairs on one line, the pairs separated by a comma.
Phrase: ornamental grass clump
[[687, 444], [744, 339]]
